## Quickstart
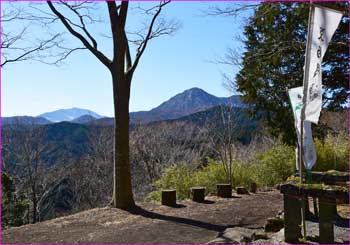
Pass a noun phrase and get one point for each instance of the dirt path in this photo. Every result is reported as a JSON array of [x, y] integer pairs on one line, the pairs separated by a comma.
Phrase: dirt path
[[150, 223]]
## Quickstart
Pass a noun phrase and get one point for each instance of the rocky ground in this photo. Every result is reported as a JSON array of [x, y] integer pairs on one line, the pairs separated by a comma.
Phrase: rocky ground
[[242, 235], [240, 219], [189, 222], [273, 232]]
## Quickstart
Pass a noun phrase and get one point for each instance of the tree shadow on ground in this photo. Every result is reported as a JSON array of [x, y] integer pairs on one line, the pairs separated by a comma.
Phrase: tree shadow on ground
[[178, 206], [342, 222], [152, 215], [316, 239], [233, 196], [338, 220], [208, 202]]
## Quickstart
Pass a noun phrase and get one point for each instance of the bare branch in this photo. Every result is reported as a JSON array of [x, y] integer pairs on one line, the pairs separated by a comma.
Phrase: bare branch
[[99, 55], [26, 51], [83, 26], [144, 43], [62, 55], [231, 11], [128, 56], [113, 17], [123, 13], [15, 44]]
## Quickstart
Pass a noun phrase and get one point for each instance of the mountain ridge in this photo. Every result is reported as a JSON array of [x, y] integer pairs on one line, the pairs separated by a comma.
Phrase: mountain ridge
[[185, 103], [182, 104], [28, 120]]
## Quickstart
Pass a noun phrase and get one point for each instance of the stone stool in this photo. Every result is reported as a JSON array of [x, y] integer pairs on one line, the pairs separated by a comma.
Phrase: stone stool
[[169, 197], [241, 190], [224, 190], [198, 194], [253, 187]]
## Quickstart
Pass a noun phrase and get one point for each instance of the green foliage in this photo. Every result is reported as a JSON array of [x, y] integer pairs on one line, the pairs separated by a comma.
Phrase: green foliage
[[244, 174], [332, 154], [183, 177], [274, 224], [175, 177], [13, 207], [323, 187], [293, 179], [268, 168], [274, 59], [209, 176], [275, 165]]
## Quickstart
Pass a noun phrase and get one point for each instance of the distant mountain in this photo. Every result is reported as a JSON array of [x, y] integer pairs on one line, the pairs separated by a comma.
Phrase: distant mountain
[[218, 117], [190, 101], [68, 114], [27, 120], [104, 121], [84, 119]]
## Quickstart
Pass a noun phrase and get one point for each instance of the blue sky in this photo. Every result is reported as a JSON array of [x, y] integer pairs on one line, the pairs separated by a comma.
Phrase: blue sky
[[168, 66]]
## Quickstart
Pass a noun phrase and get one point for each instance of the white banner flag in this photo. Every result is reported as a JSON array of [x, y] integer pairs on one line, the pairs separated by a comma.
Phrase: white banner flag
[[296, 100], [324, 22]]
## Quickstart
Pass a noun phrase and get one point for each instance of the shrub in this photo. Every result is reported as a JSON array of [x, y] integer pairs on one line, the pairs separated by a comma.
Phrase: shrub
[[175, 177], [275, 165], [332, 153], [244, 174], [183, 177], [209, 176], [268, 168]]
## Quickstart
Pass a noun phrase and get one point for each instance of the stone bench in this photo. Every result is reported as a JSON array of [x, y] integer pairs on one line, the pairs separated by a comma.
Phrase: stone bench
[[328, 196], [330, 177]]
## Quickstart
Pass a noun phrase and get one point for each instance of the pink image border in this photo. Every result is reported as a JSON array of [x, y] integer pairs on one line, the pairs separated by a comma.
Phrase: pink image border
[[348, 112]]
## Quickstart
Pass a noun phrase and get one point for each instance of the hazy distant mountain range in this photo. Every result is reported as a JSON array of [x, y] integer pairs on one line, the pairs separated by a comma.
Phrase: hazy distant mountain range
[[188, 102], [25, 120], [68, 114]]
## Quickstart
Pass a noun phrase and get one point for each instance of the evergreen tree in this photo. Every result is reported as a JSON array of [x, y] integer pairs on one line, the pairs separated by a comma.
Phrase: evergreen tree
[[274, 59], [13, 207]]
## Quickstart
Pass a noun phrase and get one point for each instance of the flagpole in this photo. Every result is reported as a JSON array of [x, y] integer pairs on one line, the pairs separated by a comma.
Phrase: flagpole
[[296, 130], [302, 118], [306, 75]]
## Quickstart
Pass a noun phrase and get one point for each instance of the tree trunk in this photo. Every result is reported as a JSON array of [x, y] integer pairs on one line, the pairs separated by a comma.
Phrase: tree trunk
[[34, 200], [122, 189]]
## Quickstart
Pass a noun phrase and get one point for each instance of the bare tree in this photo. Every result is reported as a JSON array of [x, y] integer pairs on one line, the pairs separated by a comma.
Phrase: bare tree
[[223, 141], [157, 146], [28, 147], [122, 68], [94, 187], [101, 143]]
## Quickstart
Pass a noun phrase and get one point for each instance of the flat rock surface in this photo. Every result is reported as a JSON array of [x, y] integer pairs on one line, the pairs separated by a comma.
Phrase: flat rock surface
[[189, 222], [241, 235], [341, 234]]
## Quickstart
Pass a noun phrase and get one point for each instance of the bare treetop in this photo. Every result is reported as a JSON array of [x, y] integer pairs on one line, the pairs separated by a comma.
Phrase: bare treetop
[[84, 19], [16, 43]]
